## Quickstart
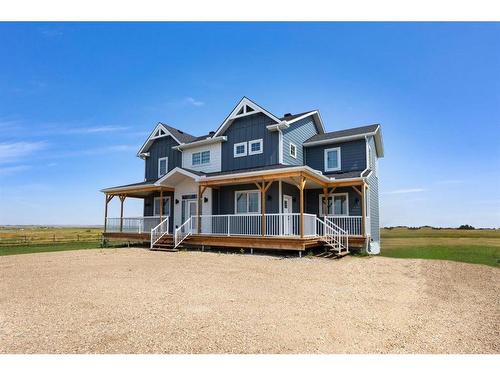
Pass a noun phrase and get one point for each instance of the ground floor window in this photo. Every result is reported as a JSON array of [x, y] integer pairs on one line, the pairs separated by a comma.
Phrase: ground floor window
[[247, 202], [166, 206], [338, 204]]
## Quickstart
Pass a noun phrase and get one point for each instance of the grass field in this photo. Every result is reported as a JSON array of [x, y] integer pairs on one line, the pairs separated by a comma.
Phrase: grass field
[[38, 239], [470, 246]]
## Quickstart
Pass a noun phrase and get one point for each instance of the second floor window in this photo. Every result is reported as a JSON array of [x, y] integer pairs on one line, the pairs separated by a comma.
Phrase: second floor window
[[199, 158], [240, 149], [332, 159], [162, 166], [255, 147], [293, 151]]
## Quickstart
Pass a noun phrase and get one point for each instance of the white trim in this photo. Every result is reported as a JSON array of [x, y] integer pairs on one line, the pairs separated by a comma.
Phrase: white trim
[[320, 209], [174, 171], [280, 195], [151, 138], [240, 144], [317, 116], [248, 201], [290, 150], [250, 143], [277, 127], [339, 159], [244, 101], [280, 146], [166, 166], [289, 197], [155, 199], [202, 142]]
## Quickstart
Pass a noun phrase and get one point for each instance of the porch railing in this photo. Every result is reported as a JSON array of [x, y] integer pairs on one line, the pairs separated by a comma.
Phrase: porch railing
[[184, 231], [132, 224], [351, 224], [251, 225]]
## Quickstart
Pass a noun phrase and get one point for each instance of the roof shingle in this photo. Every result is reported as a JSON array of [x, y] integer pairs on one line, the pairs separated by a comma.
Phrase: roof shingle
[[343, 133]]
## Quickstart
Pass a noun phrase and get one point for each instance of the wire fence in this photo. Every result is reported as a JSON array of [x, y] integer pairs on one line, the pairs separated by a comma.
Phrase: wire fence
[[26, 240]]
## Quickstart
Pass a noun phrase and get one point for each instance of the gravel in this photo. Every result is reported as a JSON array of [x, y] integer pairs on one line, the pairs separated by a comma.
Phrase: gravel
[[138, 301]]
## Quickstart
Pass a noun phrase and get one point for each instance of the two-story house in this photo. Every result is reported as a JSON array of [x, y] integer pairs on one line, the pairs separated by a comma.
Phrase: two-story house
[[257, 181]]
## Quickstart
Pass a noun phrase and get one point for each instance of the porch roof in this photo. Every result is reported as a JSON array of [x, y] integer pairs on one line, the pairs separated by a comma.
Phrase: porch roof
[[137, 189]]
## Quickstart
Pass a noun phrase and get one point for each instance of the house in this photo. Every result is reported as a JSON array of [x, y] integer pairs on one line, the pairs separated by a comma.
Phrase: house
[[257, 181]]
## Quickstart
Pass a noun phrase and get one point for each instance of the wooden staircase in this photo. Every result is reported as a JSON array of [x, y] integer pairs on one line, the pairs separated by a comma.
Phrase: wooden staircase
[[165, 243], [333, 250]]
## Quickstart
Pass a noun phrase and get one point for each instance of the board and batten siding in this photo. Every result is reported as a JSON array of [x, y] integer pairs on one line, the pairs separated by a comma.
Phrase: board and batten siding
[[246, 129], [215, 158], [297, 133], [374, 208], [352, 156], [160, 148]]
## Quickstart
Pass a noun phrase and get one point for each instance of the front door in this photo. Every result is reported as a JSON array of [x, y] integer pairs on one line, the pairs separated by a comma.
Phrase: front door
[[287, 219], [189, 210]]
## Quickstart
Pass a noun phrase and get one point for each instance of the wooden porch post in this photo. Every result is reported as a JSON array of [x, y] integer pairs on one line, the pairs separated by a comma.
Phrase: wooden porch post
[[161, 205], [107, 199], [263, 188], [302, 184], [325, 201], [122, 199]]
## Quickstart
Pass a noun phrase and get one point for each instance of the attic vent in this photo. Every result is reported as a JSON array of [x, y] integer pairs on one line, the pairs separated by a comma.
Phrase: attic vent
[[249, 109], [211, 133], [180, 131], [159, 133], [244, 110], [287, 115]]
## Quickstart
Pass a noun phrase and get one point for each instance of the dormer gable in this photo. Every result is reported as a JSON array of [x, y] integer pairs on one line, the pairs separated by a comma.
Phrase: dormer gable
[[245, 107], [162, 130]]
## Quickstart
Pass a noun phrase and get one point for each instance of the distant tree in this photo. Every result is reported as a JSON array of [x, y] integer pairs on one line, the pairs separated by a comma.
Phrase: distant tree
[[466, 226]]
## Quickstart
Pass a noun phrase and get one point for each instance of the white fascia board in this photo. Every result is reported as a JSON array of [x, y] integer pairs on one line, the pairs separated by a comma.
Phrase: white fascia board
[[150, 139], [318, 119], [339, 139], [177, 170], [233, 113], [280, 126], [202, 142]]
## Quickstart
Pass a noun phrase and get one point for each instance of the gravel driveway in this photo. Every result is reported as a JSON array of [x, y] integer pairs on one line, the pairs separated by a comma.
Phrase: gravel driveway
[[138, 301]]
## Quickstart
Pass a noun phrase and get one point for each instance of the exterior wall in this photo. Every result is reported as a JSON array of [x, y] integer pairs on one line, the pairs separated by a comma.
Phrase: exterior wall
[[293, 191], [246, 129], [352, 156], [297, 133], [160, 148], [312, 200], [225, 198], [149, 206], [374, 195], [215, 158]]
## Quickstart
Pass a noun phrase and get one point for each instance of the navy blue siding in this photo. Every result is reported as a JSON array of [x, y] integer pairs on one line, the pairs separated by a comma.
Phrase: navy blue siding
[[297, 133], [160, 148], [247, 129], [352, 156], [312, 200], [225, 198], [149, 206]]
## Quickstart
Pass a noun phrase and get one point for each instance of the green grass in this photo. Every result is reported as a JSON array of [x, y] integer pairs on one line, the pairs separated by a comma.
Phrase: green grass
[[19, 249], [469, 246]]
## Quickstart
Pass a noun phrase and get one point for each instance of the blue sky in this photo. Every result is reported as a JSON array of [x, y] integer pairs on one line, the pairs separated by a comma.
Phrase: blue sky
[[77, 100]]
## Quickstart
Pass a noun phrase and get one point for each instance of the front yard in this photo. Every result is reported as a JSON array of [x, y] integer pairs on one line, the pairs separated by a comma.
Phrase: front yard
[[138, 301]]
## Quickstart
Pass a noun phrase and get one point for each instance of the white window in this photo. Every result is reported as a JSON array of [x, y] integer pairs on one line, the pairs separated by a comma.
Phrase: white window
[[255, 147], [247, 202], [293, 150], [338, 204], [240, 149], [166, 206], [202, 157], [162, 166], [332, 159]]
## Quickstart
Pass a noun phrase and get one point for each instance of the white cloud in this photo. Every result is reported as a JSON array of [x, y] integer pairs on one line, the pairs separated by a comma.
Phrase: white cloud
[[16, 150], [406, 191], [96, 129], [13, 169], [192, 101]]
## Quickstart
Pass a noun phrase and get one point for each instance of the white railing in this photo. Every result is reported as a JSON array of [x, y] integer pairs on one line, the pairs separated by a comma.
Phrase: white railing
[[159, 231], [333, 235], [184, 231], [351, 224], [132, 224], [251, 225]]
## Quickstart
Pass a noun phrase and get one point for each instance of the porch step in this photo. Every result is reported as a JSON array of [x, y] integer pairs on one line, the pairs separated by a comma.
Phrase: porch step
[[165, 243]]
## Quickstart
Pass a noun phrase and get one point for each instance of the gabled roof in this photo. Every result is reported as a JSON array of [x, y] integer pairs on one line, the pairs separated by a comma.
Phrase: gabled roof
[[290, 119], [348, 135], [245, 107], [164, 130]]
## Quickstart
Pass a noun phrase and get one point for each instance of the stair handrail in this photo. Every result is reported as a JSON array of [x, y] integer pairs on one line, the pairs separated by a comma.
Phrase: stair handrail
[[159, 231], [333, 234], [179, 236]]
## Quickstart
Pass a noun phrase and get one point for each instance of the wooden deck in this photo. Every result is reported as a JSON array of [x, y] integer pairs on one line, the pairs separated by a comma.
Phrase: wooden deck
[[249, 242]]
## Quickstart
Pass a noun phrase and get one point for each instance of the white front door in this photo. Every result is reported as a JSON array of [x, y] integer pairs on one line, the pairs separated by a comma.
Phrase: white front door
[[189, 210], [287, 219]]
